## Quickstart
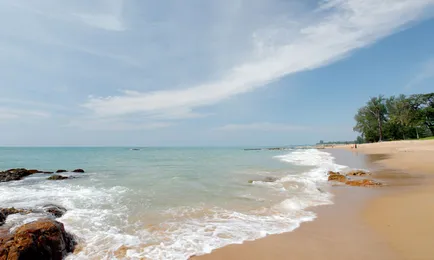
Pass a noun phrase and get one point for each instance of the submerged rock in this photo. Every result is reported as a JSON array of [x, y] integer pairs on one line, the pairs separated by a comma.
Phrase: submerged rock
[[44, 239], [56, 211], [337, 177], [364, 183], [357, 173], [56, 177], [78, 170], [47, 172], [266, 179], [60, 171], [14, 174]]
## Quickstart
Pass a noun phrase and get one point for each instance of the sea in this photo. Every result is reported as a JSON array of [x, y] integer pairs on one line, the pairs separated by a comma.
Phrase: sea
[[169, 203]]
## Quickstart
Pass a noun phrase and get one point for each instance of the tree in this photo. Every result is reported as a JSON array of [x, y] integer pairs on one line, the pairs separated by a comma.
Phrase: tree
[[423, 108], [366, 124], [396, 118], [377, 108], [400, 113]]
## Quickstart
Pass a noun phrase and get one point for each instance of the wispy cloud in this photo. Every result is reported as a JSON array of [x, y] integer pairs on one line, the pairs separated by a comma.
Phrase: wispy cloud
[[341, 27], [7, 114], [263, 126], [115, 124], [109, 19], [426, 72]]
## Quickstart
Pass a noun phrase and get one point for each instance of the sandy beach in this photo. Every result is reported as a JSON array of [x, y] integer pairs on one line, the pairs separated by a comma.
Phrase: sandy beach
[[392, 222]]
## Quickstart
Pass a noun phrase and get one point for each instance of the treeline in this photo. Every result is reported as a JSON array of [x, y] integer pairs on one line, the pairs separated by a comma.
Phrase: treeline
[[334, 142], [396, 118]]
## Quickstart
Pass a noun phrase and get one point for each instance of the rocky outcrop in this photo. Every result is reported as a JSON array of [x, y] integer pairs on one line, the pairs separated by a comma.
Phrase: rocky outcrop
[[44, 239], [60, 171], [33, 171], [54, 210], [14, 174], [78, 171], [337, 177], [363, 183], [357, 173], [56, 177]]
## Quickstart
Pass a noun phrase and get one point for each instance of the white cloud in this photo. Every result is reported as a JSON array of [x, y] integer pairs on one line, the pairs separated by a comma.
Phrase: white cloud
[[263, 126], [343, 26], [425, 73]]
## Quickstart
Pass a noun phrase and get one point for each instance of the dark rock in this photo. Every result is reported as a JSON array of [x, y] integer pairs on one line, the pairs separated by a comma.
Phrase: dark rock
[[44, 239], [60, 171], [270, 179], [14, 175], [57, 177], [337, 177], [47, 172], [78, 170], [33, 171], [56, 211], [357, 173], [2, 218]]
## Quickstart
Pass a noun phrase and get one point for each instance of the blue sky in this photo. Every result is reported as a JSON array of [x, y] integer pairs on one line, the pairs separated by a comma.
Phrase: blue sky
[[194, 72]]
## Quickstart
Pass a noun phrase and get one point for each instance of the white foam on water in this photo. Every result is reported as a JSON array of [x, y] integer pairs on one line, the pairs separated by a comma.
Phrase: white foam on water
[[98, 216]]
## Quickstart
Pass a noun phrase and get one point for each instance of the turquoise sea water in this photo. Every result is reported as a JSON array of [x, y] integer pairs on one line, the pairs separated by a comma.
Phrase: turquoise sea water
[[169, 203]]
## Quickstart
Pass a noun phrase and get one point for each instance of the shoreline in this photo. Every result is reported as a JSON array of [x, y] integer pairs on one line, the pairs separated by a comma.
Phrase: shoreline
[[363, 223]]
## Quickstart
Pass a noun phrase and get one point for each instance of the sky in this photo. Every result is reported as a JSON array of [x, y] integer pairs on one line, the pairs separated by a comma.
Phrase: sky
[[204, 73]]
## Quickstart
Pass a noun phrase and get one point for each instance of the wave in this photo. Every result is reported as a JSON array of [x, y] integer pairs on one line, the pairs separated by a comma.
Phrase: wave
[[102, 216]]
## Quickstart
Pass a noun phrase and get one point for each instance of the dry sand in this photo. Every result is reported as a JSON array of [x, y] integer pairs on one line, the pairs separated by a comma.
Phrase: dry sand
[[395, 222]]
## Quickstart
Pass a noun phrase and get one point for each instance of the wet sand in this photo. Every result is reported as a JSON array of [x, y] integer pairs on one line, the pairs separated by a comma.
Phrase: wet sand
[[394, 222]]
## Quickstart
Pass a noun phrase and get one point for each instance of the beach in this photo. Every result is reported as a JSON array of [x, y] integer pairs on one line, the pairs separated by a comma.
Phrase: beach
[[391, 222]]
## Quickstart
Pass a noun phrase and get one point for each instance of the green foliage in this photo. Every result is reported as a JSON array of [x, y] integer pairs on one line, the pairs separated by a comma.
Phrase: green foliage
[[396, 118]]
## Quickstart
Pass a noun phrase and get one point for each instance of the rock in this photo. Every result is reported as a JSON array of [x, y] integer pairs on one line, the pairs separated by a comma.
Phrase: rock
[[60, 171], [357, 173], [56, 211], [10, 211], [364, 183], [78, 170], [14, 175], [56, 177], [270, 179], [5, 212], [33, 171], [266, 179], [121, 252], [337, 177], [333, 173], [47, 172], [44, 239], [2, 218]]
